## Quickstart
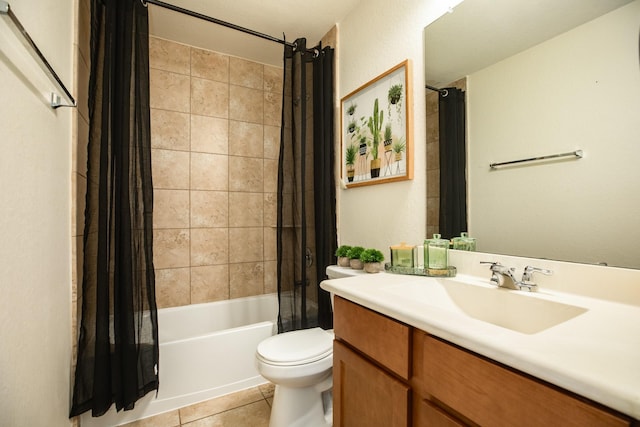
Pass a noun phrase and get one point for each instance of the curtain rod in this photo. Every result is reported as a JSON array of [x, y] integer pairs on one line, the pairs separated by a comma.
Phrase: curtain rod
[[442, 92], [223, 23]]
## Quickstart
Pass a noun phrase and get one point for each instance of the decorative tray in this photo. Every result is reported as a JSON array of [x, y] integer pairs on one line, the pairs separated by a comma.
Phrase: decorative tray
[[416, 271]]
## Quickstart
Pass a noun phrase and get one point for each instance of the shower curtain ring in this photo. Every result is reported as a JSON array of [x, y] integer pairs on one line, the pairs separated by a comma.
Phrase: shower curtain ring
[[316, 52], [144, 3]]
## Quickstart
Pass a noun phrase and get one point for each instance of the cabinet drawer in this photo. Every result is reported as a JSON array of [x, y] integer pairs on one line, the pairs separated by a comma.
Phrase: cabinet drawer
[[489, 394], [382, 339]]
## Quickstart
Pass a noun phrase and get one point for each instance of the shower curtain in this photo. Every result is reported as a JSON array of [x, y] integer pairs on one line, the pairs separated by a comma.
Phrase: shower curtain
[[117, 356], [306, 234], [453, 182]]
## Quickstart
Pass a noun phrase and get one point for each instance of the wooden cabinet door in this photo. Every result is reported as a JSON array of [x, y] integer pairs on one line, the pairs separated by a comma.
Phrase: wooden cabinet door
[[492, 395], [364, 395], [426, 414]]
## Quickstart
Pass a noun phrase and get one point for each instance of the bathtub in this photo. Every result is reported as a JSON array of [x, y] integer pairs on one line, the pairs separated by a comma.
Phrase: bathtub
[[206, 350]]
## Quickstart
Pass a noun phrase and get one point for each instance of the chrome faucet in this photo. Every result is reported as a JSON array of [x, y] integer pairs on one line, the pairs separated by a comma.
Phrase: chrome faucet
[[504, 276]]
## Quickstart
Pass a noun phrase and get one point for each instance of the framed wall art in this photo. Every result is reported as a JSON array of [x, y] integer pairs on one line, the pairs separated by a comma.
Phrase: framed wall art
[[376, 130]]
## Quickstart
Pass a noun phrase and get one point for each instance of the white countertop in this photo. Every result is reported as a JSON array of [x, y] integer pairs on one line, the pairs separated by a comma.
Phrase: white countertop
[[596, 354]]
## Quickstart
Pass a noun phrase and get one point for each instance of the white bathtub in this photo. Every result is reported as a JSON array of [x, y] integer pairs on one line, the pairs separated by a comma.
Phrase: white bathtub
[[206, 351]]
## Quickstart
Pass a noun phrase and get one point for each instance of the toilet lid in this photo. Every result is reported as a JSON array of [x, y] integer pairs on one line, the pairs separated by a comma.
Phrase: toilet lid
[[296, 347]]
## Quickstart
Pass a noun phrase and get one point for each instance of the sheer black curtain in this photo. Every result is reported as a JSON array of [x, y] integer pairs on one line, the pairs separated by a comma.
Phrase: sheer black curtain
[[453, 182], [117, 359], [306, 234]]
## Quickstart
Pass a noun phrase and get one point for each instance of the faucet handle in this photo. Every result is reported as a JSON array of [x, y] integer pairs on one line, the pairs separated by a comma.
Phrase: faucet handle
[[496, 267], [529, 270], [494, 264]]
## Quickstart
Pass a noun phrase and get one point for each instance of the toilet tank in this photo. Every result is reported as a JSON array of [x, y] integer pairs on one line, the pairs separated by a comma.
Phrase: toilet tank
[[336, 272]]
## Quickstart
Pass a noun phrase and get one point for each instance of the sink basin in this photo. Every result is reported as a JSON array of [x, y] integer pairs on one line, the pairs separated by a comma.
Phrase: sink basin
[[515, 310]]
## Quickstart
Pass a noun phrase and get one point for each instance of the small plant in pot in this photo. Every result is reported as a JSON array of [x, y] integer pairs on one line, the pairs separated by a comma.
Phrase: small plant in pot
[[372, 260], [362, 147], [343, 255], [350, 159], [354, 257], [388, 138], [395, 97], [398, 149]]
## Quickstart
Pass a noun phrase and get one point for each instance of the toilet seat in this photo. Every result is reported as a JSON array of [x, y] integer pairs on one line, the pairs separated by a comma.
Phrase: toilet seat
[[296, 347]]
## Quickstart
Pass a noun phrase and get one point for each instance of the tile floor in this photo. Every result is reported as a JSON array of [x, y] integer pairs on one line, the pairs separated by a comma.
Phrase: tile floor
[[246, 408]]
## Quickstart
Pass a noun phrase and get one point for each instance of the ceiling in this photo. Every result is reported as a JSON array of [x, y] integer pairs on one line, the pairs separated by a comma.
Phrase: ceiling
[[479, 33], [295, 18]]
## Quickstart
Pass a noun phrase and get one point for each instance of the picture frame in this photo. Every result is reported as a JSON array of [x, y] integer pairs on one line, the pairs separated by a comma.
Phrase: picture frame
[[376, 123]]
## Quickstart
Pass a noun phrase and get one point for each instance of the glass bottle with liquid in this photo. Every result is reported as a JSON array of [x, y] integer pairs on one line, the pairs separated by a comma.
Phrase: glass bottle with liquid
[[464, 242], [438, 252], [402, 255]]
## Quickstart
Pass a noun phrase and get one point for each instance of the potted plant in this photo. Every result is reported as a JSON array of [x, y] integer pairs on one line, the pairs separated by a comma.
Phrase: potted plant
[[395, 97], [352, 126], [372, 260], [350, 160], [375, 126], [398, 149], [362, 148], [388, 138], [343, 255], [354, 257]]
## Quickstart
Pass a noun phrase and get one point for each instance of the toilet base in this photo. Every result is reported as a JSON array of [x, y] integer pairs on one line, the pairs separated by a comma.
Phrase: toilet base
[[301, 407]]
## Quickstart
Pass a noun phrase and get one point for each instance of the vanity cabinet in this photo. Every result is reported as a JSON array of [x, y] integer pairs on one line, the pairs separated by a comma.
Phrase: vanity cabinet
[[387, 373]]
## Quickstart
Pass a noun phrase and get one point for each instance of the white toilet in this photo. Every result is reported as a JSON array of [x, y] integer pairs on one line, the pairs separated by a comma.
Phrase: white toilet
[[300, 364]]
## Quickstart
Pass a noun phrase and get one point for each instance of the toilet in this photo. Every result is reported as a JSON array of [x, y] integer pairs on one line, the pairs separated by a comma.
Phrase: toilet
[[300, 364]]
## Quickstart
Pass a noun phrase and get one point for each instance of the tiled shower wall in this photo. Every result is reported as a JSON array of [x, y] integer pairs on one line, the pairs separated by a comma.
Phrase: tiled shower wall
[[215, 135]]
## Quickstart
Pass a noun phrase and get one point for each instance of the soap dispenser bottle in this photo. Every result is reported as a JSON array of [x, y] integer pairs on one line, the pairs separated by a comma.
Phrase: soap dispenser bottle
[[437, 250], [464, 242]]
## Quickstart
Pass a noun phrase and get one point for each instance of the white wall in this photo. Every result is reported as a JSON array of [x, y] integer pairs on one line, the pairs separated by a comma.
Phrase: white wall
[[542, 102], [35, 215], [373, 38]]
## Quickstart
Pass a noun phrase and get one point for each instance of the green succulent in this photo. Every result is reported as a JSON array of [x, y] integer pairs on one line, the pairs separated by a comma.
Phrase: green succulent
[[387, 132], [350, 154], [371, 255], [395, 94], [399, 146], [354, 252], [343, 251]]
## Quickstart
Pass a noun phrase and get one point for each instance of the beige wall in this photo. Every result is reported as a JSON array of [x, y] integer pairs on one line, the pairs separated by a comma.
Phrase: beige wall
[[373, 38], [215, 127], [35, 212]]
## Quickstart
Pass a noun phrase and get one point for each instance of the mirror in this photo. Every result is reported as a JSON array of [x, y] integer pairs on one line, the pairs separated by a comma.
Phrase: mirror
[[544, 78]]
